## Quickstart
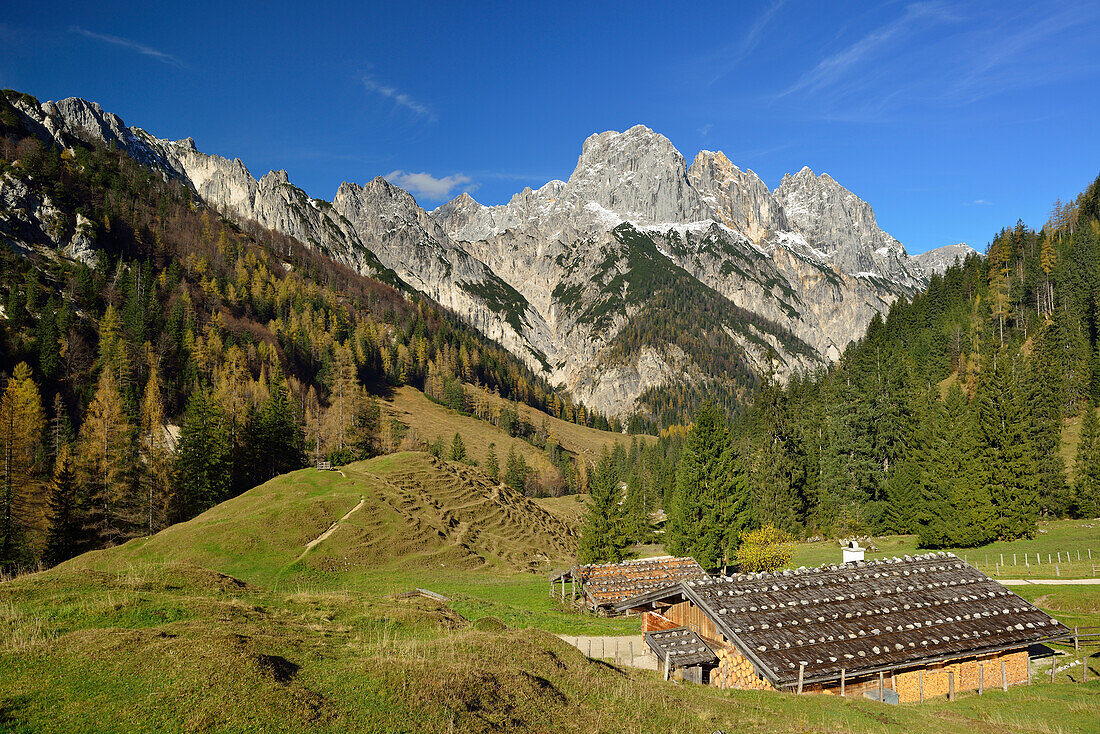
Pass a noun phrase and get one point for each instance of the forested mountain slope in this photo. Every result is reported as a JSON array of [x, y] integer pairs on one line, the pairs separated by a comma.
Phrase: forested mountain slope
[[127, 304], [946, 418]]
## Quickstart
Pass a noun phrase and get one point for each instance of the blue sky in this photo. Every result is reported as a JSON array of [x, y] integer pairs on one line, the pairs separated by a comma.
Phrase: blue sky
[[951, 118]]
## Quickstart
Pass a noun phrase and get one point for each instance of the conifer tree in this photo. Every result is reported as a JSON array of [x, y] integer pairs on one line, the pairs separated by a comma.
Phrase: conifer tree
[[106, 459], [63, 540], [156, 468], [458, 449], [492, 466], [1087, 469], [515, 471], [1008, 451], [22, 422], [707, 512], [602, 537], [203, 460], [281, 440]]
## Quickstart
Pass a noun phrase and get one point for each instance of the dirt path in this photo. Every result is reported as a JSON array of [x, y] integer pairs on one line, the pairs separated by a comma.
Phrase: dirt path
[[332, 528], [1045, 582]]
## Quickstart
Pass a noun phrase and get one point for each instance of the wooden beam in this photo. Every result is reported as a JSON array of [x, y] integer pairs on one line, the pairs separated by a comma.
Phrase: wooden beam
[[1004, 676], [843, 673], [801, 672], [981, 679], [881, 688], [950, 685], [920, 683]]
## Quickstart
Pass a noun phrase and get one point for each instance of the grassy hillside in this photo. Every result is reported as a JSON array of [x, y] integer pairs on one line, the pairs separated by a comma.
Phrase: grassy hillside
[[429, 420], [398, 512]]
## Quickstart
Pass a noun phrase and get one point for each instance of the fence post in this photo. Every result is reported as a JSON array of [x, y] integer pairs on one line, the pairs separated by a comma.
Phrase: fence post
[[801, 671], [920, 683], [981, 679], [950, 685], [1076, 645], [1028, 668], [881, 688], [1053, 663], [1013, 559], [1002, 559], [842, 681], [1057, 572], [1004, 677]]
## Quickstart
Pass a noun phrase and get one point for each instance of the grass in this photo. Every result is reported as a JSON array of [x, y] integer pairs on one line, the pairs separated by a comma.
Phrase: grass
[[431, 420], [1059, 536], [226, 623], [236, 657]]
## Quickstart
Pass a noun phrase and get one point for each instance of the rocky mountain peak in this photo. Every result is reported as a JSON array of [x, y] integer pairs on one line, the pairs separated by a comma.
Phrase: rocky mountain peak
[[739, 198], [637, 174], [938, 260]]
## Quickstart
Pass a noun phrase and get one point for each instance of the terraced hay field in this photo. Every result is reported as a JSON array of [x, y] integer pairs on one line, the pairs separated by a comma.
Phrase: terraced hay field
[[403, 511]]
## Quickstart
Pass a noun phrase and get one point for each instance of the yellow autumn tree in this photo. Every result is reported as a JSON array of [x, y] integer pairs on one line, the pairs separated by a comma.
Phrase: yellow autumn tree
[[156, 454], [106, 443], [22, 504]]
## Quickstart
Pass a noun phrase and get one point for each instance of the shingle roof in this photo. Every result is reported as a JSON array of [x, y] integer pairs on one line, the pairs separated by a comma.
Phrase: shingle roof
[[867, 616], [608, 583], [682, 646]]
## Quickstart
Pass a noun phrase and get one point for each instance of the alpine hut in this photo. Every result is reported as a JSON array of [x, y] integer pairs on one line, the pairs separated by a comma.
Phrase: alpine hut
[[899, 629], [603, 585]]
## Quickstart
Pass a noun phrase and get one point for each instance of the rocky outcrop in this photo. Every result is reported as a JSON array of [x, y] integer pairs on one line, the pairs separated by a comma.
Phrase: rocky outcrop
[[740, 199], [941, 258]]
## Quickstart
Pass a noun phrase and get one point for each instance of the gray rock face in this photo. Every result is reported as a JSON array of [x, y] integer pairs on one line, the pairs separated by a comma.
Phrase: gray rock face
[[740, 199], [558, 272], [941, 258], [837, 222]]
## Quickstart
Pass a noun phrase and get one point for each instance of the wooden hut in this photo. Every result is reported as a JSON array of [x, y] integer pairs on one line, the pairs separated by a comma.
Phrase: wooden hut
[[600, 586], [898, 629]]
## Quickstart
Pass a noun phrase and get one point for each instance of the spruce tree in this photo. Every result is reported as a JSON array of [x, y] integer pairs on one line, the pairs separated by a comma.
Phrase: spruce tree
[[1008, 451], [492, 466], [458, 448], [63, 540], [708, 509], [1087, 468], [515, 471], [602, 537], [203, 467]]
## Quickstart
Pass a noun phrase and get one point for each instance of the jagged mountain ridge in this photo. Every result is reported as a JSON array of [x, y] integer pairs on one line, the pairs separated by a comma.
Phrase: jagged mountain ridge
[[561, 276], [939, 259]]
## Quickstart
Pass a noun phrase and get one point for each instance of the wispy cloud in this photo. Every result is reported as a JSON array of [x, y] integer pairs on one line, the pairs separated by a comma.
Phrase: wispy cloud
[[141, 48], [934, 55], [705, 129], [428, 186], [978, 202], [837, 67], [399, 98], [735, 54]]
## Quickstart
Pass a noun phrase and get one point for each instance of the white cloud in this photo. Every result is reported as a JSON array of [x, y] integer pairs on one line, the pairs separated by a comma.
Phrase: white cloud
[[399, 98], [428, 186], [140, 48], [705, 129], [978, 202]]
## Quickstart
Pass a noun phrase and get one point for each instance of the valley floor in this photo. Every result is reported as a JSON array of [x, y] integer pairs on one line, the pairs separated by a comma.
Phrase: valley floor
[[231, 623]]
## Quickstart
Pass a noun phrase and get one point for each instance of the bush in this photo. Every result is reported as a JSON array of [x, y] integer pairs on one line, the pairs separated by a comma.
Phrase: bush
[[764, 549]]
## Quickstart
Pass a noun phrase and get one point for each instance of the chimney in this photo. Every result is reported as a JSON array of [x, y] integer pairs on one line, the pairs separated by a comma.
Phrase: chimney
[[852, 552]]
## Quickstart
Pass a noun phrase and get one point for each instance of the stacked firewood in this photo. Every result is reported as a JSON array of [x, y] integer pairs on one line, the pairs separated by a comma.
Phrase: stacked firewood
[[734, 671]]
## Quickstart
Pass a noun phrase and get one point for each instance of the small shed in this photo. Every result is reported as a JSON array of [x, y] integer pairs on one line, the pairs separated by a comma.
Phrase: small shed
[[917, 626], [682, 649], [602, 585]]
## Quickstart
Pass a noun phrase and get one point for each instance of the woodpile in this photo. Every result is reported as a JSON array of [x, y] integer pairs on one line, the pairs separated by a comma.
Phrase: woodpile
[[735, 671]]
